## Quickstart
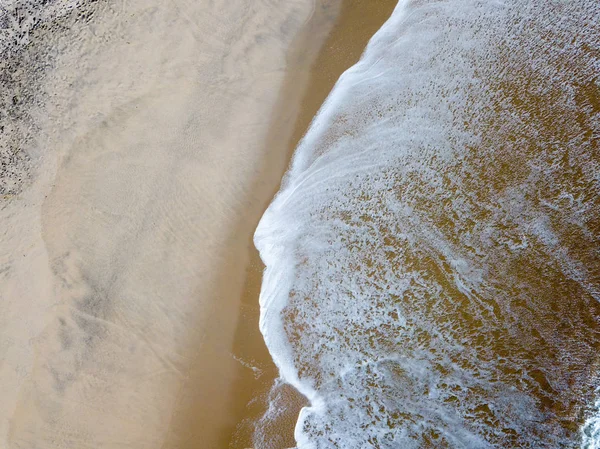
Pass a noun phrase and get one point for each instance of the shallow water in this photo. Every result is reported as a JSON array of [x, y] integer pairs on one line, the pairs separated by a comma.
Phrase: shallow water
[[433, 270]]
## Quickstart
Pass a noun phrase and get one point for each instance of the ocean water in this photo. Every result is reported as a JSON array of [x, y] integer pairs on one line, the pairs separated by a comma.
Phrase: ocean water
[[433, 255]]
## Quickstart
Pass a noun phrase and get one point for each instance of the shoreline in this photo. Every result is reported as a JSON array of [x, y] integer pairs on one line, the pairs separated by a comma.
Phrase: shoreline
[[342, 48], [249, 367], [154, 136]]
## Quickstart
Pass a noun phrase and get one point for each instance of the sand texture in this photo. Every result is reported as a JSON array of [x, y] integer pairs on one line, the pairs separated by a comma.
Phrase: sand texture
[[123, 260]]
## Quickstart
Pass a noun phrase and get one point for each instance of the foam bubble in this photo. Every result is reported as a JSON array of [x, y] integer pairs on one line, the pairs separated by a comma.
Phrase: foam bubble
[[590, 431]]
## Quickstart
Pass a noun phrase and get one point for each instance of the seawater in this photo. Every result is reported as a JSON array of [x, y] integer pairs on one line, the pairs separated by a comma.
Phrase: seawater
[[433, 256]]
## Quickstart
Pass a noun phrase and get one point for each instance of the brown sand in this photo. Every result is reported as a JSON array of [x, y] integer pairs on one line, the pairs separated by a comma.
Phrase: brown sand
[[308, 83]]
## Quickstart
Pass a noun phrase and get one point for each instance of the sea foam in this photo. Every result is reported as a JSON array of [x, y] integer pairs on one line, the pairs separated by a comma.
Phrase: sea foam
[[432, 256]]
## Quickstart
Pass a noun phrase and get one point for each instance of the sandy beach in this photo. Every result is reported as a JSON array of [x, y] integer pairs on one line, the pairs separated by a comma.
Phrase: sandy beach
[[123, 270], [130, 282]]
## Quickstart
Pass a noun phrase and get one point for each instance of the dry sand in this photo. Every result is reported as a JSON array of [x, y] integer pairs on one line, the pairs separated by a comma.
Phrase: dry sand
[[123, 264]]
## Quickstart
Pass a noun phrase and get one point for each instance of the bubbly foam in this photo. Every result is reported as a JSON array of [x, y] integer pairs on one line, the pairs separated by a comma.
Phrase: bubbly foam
[[432, 257], [590, 432]]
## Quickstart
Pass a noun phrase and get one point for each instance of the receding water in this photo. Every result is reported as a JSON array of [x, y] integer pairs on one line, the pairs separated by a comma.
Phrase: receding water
[[433, 256]]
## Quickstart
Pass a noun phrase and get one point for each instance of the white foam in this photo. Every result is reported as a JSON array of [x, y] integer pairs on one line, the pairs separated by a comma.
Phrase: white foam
[[590, 431]]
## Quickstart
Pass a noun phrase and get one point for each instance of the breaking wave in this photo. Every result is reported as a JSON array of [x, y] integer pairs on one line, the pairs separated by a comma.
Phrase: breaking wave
[[433, 255]]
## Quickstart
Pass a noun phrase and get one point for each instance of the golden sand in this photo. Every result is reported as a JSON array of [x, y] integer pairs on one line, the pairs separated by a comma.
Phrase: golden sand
[[121, 270]]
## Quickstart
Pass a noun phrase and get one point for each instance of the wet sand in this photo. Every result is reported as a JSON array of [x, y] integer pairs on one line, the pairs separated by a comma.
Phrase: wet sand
[[138, 329], [358, 20]]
